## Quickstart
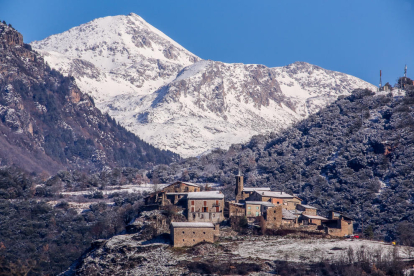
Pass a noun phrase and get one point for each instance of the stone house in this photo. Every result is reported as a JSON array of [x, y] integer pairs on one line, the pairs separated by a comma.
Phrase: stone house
[[205, 206], [242, 193], [306, 209], [235, 209], [173, 194], [191, 233], [311, 219], [288, 201], [256, 208], [274, 217], [339, 225]]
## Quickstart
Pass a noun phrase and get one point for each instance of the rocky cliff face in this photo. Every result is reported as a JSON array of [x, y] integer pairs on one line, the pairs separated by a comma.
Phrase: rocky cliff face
[[48, 124], [176, 101]]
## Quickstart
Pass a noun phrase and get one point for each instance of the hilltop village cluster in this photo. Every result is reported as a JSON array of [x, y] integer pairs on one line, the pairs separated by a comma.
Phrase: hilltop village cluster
[[207, 209]]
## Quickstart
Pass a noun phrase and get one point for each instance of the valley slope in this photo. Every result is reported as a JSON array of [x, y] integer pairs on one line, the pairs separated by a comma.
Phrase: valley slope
[[47, 124], [173, 99]]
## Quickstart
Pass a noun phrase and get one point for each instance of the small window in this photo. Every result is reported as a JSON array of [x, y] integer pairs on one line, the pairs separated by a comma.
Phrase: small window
[[183, 232], [278, 202], [248, 207], [193, 232], [204, 233], [257, 207], [193, 239], [183, 239], [249, 213], [274, 211], [274, 218], [192, 202]]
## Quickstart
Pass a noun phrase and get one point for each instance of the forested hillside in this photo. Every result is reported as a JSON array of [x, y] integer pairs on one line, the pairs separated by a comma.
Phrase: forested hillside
[[354, 156], [48, 124]]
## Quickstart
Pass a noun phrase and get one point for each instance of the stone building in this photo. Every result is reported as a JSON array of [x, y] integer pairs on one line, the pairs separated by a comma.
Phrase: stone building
[[274, 217], [173, 194], [339, 225], [205, 206], [191, 233], [243, 193], [288, 201], [312, 219], [235, 209], [306, 209], [256, 208]]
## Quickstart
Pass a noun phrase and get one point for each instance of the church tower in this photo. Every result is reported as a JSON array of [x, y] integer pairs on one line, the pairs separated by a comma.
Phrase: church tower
[[239, 187]]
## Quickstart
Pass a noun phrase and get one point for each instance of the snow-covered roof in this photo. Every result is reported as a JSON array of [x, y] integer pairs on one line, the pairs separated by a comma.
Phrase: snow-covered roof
[[183, 193], [296, 212], [192, 225], [274, 194], [187, 183], [264, 203], [314, 217], [250, 189], [308, 206], [205, 195], [287, 215]]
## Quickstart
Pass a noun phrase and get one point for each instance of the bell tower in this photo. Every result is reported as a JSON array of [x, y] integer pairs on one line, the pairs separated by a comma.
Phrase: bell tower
[[239, 187]]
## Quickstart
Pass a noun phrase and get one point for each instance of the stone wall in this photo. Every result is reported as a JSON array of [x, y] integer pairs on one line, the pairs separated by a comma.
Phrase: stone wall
[[191, 236], [274, 217], [236, 210]]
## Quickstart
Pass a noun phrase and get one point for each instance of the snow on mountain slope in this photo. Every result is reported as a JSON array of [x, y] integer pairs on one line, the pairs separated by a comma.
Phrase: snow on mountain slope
[[139, 76], [116, 55]]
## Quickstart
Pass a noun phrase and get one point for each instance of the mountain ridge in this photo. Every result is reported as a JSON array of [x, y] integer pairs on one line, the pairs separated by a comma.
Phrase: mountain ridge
[[48, 124], [173, 105]]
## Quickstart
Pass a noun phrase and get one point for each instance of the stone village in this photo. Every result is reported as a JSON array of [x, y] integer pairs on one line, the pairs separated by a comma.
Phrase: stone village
[[207, 209]]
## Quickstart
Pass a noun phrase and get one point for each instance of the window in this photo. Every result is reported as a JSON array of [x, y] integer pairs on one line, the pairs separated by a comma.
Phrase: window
[[249, 213], [193, 232], [192, 209], [248, 207], [183, 232], [217, 209], [274, 218], [192, 202], [257, 214], [278, 202], [217, 202], [204, 233], [205, 203], [257, 207]]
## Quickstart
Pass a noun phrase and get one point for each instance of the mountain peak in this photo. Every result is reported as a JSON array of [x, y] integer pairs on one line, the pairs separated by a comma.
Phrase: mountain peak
[[175, 100]]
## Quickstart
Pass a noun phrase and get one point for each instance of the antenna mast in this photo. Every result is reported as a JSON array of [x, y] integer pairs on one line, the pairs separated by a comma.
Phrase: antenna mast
[[380, 84], [405, 71]]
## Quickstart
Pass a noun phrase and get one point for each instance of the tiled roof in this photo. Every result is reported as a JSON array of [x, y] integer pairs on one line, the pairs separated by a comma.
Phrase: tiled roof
[[265, 203], [205, 195], [251, 189], [192, 225], [274, 194]]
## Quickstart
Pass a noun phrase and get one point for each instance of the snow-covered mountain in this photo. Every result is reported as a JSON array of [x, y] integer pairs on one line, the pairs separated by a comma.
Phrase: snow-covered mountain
[[174, 100]]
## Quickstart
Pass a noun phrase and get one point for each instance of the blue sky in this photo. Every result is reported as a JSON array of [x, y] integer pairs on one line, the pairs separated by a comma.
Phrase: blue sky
[[357, 37]]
